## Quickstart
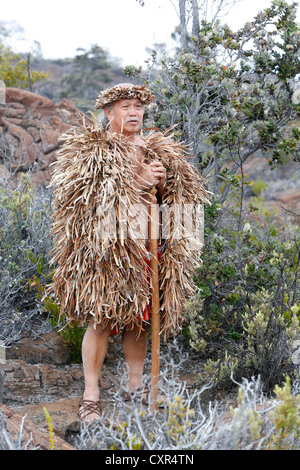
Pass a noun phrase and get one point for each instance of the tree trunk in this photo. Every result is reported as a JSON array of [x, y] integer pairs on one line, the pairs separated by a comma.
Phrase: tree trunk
[[29, 72], [183, 28], [196, 25]]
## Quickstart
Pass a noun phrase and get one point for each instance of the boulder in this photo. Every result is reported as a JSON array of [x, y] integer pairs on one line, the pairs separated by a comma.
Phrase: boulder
[[30, 127], [24, 383], [32, 436], [48, 348]]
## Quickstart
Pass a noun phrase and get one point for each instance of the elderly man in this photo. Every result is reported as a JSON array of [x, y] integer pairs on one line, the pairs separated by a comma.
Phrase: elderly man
[[104, 180]]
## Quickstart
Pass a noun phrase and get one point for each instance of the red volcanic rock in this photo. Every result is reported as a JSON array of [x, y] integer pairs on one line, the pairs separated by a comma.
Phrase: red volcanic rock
[[30, 126]]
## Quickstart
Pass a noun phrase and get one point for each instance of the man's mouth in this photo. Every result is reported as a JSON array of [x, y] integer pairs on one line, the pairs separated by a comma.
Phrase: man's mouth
[[132, 121]]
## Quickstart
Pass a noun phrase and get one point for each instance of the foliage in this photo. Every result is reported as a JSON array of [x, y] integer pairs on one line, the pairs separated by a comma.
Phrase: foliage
[[24, 247], [231, 93], [15, 72], [71, 333], [245, 314], [258, 186], [91, 71], [286, 419], [188, 422]]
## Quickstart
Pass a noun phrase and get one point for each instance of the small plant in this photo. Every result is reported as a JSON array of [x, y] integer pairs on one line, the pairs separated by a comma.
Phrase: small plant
[[258, 186], [71, 332], [50, 430], [179, 420], [286, 419], [234, 320]]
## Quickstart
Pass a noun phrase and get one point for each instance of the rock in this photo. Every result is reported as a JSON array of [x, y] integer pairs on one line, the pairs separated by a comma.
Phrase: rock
[[63, 415], [290, 198], [25, 383], [30, 127], [1, 385], [33, 436], [49, 349]]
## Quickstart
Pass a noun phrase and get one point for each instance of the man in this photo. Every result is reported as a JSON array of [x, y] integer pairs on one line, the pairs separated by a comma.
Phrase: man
[[104, 181]]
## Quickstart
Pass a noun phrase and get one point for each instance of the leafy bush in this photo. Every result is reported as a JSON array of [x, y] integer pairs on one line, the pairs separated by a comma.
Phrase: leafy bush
[[24, 248], [71, 333], [25, 245], [245, 314]]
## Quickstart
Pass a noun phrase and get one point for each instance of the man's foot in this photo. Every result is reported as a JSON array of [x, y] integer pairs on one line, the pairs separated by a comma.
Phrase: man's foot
[[142, 394], [89, 410]]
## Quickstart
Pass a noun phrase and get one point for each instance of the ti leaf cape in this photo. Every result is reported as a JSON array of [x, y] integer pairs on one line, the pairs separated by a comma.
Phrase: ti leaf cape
[[107, 280]]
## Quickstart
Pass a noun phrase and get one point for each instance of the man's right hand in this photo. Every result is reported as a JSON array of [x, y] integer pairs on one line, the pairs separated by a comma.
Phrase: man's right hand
[[146, 178]]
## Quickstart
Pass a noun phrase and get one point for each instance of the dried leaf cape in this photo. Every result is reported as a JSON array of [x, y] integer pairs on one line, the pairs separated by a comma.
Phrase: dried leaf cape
[[106, 280]]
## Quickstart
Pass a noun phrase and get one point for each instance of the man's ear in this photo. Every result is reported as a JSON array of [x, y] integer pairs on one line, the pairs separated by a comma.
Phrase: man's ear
[[108, 112]]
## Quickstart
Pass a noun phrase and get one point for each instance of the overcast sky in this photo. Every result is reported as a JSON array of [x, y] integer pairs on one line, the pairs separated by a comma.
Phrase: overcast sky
[[122, 27]]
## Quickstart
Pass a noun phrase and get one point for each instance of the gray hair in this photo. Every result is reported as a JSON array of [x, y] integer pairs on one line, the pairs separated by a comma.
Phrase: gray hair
[[102, 116]]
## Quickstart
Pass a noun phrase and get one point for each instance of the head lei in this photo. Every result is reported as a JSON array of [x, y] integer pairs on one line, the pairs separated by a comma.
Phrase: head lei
[[120, 92]]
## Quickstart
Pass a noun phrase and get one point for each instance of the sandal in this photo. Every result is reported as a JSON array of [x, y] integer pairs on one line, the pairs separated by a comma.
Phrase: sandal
[[88, 407], [137, 395], [142, 394]]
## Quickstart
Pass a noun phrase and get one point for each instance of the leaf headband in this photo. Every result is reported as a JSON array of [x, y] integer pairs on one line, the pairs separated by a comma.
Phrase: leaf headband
[[120, 92]]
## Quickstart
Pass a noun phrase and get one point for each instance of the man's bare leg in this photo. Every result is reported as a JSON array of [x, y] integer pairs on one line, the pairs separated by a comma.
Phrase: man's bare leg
[[135, 350], [94, 349]]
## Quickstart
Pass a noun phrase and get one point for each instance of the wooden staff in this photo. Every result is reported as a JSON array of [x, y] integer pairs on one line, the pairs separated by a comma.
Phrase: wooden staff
[[155, 306]]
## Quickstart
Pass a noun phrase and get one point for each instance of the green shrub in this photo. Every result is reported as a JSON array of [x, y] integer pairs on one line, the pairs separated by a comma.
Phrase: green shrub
[[286, 419], [24, 247], [245, 313], [71, 333], [258, 187]]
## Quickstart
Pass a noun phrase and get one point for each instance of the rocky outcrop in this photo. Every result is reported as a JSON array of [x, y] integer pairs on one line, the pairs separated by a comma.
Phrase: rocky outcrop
[[30, 127], [32, 437], [27, 383], [39, 368], [37, 374], [47, 349]]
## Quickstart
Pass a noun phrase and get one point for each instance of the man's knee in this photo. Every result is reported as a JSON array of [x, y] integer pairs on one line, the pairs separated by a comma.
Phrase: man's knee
[[99, 330]]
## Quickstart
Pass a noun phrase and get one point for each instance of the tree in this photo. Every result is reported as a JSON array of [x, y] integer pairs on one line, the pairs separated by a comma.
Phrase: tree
[[232, 93], [91, 71], [16, 72], [210, 11]]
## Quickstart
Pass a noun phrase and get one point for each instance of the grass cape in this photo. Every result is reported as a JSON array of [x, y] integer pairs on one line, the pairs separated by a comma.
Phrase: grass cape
[[106, 280]]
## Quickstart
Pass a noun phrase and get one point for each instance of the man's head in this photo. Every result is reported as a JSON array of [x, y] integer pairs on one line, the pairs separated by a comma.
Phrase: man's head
[[124, 107]]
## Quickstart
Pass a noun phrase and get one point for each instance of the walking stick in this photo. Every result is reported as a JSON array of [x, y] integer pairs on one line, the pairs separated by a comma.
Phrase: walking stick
[[155, 306]]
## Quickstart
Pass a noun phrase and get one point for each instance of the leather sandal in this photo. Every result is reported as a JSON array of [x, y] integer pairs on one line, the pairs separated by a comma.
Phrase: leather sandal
[[142, 394], [138, 395], [88, 407]]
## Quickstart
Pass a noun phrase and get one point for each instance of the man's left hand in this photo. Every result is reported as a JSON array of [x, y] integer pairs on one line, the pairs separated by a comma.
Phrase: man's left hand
[[159, 172]]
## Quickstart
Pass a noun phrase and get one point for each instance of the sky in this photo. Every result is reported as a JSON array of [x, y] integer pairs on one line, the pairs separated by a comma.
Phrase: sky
[[122, 27]]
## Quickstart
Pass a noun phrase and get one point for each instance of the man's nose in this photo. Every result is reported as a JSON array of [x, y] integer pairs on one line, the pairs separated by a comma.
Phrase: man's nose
[[132, 111]]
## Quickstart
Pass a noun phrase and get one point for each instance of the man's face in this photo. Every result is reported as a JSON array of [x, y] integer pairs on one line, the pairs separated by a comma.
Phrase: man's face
[[125, 116]]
